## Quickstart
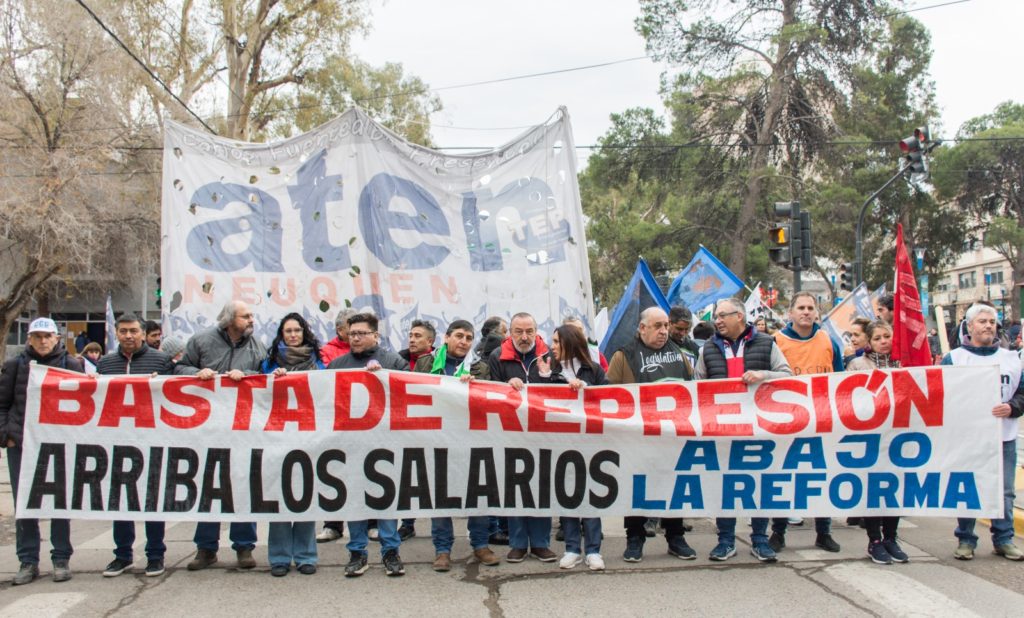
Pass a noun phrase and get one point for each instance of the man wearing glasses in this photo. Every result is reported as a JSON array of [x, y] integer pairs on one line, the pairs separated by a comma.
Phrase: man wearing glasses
[[366, 353], [738, 350]]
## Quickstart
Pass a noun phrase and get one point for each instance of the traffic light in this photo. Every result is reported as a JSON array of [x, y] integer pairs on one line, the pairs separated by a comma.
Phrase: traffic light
[[846, 276], [158, 292], [779, 252], [805, 239], [913, 148]]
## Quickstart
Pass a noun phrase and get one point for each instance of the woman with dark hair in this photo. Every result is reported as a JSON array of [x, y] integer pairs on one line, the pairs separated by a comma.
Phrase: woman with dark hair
[[295, 348], [571, 364]]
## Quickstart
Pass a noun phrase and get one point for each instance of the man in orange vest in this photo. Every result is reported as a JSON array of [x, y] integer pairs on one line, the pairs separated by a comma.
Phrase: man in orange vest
[[808, 349]]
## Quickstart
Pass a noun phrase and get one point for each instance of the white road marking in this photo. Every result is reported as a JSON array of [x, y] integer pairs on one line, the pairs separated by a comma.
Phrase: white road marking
[[900, 594], [44, 605]]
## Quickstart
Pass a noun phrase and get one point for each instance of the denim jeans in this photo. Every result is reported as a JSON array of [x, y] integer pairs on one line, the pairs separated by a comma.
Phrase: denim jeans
[[822, 525], [242, 535], [1002, 528], [529, 532], [591, 528], [290, 541], [27, 530], [442, 532], [498, 524], [124, 538], [386, 528], [727, 530]]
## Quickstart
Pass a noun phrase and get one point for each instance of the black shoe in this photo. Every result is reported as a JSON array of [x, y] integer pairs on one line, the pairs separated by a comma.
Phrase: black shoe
[[393, 563], [895, 551], [306, 569], [877, 553], [826, 542], [777, 541], [279, 570], [357, 564], [154, 567], [498, 538], [116, 567], [406, 532], [678, 547], [634, 549]]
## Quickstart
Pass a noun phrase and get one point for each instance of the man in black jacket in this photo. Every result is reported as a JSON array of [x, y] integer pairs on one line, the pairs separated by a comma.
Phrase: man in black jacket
[[515, 362], [43, 347], [134, 357]]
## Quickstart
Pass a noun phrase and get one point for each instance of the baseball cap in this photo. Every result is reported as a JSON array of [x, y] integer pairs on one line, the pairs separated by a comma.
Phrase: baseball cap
[[43, 325]]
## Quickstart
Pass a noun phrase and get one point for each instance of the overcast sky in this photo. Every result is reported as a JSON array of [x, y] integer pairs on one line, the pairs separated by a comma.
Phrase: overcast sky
[[975, 65]]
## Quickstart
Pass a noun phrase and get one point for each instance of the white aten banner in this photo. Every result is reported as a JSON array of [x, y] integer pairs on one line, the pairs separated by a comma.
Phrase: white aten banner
[[351, 215], [354, 445]]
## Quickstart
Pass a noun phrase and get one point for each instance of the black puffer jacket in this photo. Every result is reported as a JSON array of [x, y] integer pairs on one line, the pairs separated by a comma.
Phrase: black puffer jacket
[[14, 387]]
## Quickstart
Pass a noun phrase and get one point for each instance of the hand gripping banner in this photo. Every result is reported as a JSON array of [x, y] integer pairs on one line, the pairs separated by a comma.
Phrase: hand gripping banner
[[355, 445], [351, 215]]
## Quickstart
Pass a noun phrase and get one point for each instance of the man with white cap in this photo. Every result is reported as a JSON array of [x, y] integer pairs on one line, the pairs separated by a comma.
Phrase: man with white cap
[[44, 347]]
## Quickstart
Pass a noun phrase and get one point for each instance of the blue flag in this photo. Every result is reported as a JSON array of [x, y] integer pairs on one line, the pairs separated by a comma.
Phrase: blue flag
[[641, 293], [703, 281]]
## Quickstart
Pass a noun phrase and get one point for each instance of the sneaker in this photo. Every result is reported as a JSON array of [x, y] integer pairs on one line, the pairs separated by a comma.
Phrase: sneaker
[[722, 552], [543, 554], [486, 556], [1008, 551], [498, 538], [964, 552], [826, 542], [443, 562], [279, 570], [357, 564], [245, 559], [327, 535], [373, 534], [595, 562], [777, 541], [569, 560], [203, 559], [650, 528], [516, 555], [116, 567], [763, 552], [634, 549], [306, 569], [154, 567], [406, 532], [878, 554], [393, 563], [61, 571], [26, 573], [677, 547], [795, 521], [895, 551]]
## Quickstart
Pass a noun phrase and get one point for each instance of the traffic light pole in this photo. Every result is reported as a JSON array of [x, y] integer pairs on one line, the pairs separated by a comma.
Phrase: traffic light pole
[[859, 251]]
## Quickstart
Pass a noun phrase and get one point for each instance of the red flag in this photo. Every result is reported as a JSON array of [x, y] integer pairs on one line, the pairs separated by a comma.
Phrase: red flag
[[909, 334]]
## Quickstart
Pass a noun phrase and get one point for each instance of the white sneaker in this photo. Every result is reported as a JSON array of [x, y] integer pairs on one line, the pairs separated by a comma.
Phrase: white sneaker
[[327, 535], [569, 560], [795, 521], [595, 562]]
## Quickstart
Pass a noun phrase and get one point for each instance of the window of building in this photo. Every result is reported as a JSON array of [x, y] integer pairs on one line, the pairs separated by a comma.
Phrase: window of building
[[967, 280], [993, 276]]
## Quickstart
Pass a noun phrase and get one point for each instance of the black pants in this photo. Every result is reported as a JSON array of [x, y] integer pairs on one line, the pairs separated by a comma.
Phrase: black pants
[[635, 526], [879, 528]]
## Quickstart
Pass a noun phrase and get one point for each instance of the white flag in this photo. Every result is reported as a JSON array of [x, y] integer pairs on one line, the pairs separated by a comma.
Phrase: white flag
[[753, 303], [111, 336]]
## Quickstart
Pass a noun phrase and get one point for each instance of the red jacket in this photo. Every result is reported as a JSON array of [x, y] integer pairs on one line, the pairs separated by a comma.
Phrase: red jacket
[[333, 349]]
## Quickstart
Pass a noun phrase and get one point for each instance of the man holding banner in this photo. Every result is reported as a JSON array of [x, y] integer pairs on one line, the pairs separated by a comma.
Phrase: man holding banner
[[808, 349], [229, 349], [984, 349], [651, 357], [738, 350], [134, 357]]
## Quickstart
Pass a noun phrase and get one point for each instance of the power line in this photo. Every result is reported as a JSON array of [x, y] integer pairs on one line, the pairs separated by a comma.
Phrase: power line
[[144, 66], [924, 8]]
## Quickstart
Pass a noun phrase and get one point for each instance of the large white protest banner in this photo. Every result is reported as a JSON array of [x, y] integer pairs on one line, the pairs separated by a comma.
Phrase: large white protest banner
[[352, 215], [357, 444]]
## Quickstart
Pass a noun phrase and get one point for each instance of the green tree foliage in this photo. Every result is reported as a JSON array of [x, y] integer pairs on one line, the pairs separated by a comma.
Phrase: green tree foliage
[[985, 177]]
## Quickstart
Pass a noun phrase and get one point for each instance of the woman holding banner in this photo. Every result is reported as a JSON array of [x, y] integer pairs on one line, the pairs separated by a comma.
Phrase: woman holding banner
[[574, 366], [882, 545], [295, 348]]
